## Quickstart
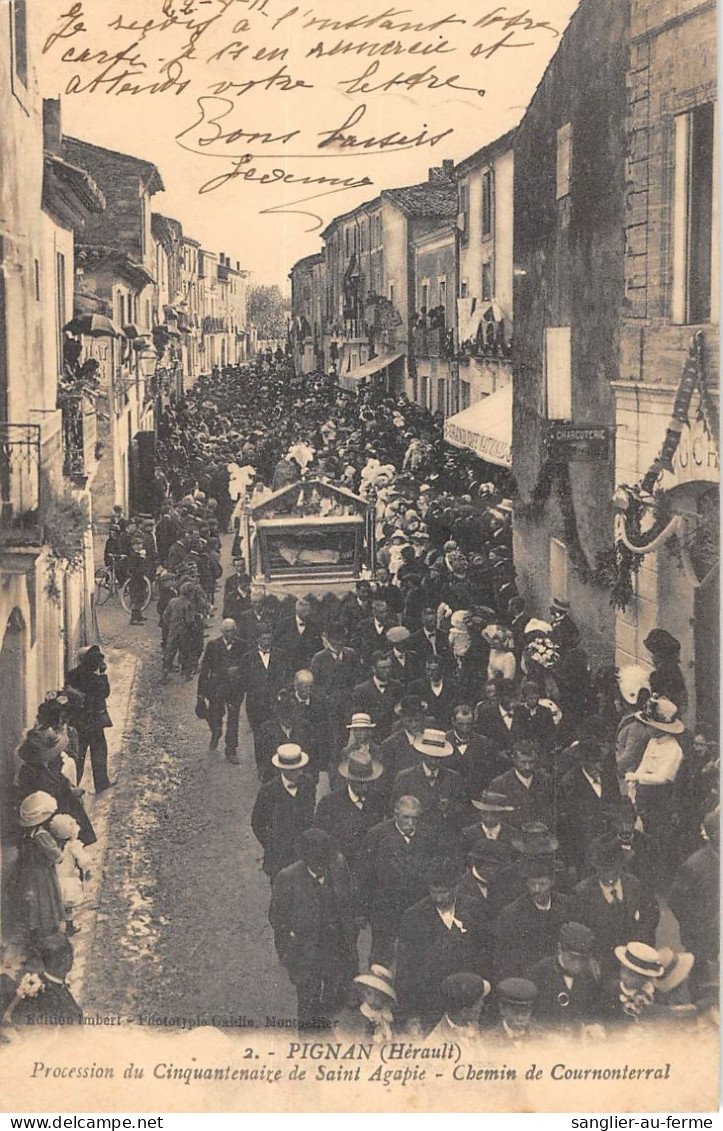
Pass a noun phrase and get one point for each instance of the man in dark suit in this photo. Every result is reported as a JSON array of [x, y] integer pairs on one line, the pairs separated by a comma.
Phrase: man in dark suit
[[532, 720], [613, 904], [284, 809], [494, 719], [298, 637], [348, 814], [466, 671], [474, 757], [378, 696], [90, 716], [584, 797], [483, 883], [391, 862], [695, 897], [526, 786], [439, 791], [429, 640], [237, 593], [310, 708], [315, 932], [371, 633], [406, 664], [221, 683], [54, 1005], [265, 673], [437, 690], [336, 671], [251, 621], [492, 826], [282, 727], [568, 984], [527, 930], [397, 752], [443, 934]]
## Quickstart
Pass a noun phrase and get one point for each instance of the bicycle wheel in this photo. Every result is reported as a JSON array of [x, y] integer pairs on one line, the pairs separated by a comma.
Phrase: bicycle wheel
[[125, 598], [103, 585]]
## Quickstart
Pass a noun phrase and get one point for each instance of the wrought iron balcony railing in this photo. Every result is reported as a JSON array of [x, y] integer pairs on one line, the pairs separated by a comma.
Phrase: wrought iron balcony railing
[[20, 485]]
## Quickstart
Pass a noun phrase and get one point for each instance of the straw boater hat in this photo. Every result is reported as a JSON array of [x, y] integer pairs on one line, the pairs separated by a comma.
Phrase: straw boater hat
[[433, 744], [289, 756], [490, 802], [36, 808], [398, 635], [661, 714], [378, 978], [361, 721], [676, 968], [640, 958], [360, 766]]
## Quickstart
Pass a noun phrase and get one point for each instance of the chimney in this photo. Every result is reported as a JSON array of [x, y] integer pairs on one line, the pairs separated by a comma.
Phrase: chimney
[[51, 126], [448, 168], [238, 265]]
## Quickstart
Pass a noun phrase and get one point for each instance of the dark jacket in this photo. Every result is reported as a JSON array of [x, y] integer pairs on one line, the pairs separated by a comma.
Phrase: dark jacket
[[270, 736], [531, 804], [695, 900], [96, 689], [479, 764], [558, 1005], [443, 803], [235, 604], [525, 934], [440, 706], [408, 672], [366, 639], [616, 924], [336, 678], [491, 724], [391, 871], [581, 813], [248, 624], [278, 820], [540, 727], [296, 915], [222, 673], [55, 1005], [419, 641], [300, 647], [429, 952], [367, 698], [262, 684], [314, 717], [346, 823], [490, 905], [397, 754]]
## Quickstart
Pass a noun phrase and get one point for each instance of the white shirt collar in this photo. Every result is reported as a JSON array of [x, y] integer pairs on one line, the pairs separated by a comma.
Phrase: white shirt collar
[[290, 787], [491, 833], [354, 797], [596, 785], [449, 919], [379, 686], [432, 775], [300, 625], [527, 782]]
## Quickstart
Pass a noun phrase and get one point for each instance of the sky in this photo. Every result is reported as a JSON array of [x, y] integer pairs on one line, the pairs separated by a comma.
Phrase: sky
[[221, 94]]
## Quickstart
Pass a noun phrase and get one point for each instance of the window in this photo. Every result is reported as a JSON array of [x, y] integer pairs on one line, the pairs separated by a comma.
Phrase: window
[[19, 31], [487, 288], [465, 394], [463, 218], [347, 240], [487, 203], [464, 289], [564, 159], [558, 373], [37, 281], [121, 310], [391, 293], [60, 312], [443, 293], [424, 297], [425, 392], [693, 207], [441, 395], [558, 569]]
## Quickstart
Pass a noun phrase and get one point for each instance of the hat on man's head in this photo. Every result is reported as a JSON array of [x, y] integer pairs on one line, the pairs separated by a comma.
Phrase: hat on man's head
[[360, 720], [460, 991], [335, 633], [606, 852], [290, 756], [315, 846], [640, 958], [433, 744], [535, 839], [537, 867], [411, 705], [517, 991], [676, 968], [663, 642], [378, 978], [443, 872], [576, 938], [661, 714], [490, 802], [560, 604], [36, 808], [90, 654], [486, 853], [360, 766]]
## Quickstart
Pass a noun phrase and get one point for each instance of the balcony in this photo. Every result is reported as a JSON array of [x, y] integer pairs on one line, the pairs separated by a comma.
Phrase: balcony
[[213, 325], [20, 485], [79, 438], [432, 342]]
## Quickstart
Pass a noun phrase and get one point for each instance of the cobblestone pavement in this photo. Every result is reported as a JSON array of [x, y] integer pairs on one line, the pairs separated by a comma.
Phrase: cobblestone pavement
[[181, 933]]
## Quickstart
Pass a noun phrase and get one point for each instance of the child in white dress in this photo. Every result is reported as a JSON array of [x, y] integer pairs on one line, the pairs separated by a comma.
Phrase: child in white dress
[[73, 868]]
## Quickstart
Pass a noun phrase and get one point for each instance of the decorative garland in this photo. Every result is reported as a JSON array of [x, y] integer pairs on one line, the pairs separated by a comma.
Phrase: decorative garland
[[65, 525]]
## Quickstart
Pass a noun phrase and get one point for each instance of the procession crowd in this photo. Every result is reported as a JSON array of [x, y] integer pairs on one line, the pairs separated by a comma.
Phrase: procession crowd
[[437, 763]]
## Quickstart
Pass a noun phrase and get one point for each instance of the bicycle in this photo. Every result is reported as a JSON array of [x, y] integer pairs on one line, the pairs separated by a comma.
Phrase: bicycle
[[107, 585]]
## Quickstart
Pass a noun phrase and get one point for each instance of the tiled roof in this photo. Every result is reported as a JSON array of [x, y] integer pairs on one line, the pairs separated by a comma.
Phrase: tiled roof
[[437, 199], [487, 152], [83, 152]]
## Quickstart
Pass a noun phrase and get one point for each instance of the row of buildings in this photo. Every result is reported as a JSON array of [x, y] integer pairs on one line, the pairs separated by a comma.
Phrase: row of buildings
[[543, 295], [106, 308]]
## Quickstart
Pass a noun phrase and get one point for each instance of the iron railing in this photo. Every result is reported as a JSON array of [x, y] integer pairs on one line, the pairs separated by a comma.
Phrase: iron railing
[[20, 484]]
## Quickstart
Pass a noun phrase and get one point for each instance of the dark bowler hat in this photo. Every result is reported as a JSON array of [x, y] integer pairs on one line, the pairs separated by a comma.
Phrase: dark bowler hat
[[487, 852], [663, 642], [517, 991], [535, 839], [460, 991], [577, 938], [490, 802], [443, 873], [606, 852]]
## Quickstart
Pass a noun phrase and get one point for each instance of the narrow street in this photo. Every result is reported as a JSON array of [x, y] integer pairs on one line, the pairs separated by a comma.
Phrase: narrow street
[[181, 932]]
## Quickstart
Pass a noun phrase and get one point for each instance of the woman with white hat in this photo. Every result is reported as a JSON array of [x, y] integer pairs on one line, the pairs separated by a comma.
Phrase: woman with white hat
[[651, 784], [37, 892], [633, 684], [378, 999]]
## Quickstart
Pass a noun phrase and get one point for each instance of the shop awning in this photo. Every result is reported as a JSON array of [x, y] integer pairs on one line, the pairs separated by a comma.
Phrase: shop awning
[[359, 375], [485, 428]]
